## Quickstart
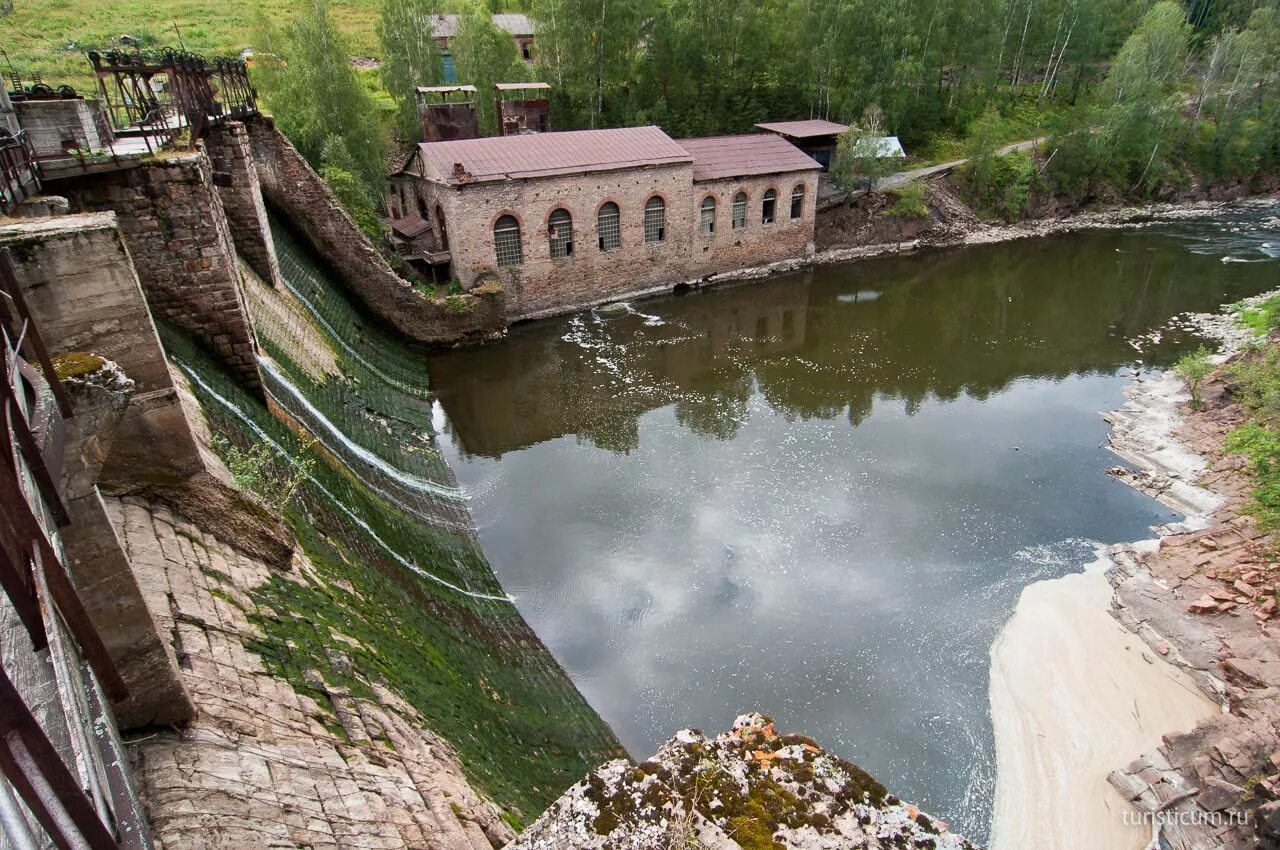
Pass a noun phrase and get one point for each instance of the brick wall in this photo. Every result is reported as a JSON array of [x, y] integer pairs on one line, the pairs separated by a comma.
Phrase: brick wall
[[294, 189], [756, 243], [173, 223], [542, 284], [236, 176]]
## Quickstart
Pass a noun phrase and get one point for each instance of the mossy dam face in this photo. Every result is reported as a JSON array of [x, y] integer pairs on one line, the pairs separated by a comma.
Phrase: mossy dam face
[[402, 578]]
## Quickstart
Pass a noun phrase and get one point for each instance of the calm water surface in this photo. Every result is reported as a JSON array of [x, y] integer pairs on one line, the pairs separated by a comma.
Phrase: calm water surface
[[819, 496]]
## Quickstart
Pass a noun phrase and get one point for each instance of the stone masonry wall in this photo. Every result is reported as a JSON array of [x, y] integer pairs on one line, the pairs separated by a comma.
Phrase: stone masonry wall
[[294, 189], [236, 176], [545, 285], [173, 222], [756, 243]]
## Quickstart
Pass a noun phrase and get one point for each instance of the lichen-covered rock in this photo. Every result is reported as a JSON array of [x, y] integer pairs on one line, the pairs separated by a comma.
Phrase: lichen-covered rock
[[747, 789]]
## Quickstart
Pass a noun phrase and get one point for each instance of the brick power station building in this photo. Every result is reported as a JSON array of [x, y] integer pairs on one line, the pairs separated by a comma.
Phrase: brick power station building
[[562, 220]]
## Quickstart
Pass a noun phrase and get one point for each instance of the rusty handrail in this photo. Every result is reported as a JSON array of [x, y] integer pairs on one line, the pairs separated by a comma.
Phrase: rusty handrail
[[17, 320], [34, 578], [19, 171], [26, 750]]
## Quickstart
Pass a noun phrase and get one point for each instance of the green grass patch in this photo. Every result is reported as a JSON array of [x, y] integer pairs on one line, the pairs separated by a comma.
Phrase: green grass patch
[[1260, 318], [911, 203], [50, 36], [1261, 446], [1257, 384]]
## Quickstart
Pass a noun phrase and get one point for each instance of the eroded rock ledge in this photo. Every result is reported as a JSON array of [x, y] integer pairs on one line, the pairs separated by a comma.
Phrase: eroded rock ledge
[[1204, 596], [747, 789]]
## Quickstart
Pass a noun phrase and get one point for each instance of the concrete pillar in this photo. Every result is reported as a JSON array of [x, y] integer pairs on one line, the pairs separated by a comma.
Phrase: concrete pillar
[[236, 177], [80, 284], [129, 430]]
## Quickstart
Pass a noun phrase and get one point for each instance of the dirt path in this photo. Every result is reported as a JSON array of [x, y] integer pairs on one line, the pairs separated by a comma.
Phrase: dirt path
[[902, 178]]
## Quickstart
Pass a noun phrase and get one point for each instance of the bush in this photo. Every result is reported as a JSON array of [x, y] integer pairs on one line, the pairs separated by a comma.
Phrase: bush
[[1193, 368], [911, 202], [460, 304], [1258, 388], [254, 469], [1258, 385], [1261, 446], [340, 171]]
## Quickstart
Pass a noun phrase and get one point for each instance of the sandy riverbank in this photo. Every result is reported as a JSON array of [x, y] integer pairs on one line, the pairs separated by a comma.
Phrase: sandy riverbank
[[1076, 694], [1073, 695]]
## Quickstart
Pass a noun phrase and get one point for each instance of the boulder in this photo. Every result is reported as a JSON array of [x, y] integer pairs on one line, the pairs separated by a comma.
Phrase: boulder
[[749, 787]]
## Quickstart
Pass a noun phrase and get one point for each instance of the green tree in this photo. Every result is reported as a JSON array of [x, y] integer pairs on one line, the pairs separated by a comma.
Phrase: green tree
[[859, 163], [1130, 138], [340, 170], [1193, 368], [485, 54], [1238, 100], [589, 50], [314, 94], [410, 57], [985, 135]]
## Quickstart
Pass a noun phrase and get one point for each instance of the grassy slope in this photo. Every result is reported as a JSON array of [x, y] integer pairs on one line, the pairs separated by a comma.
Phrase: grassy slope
[[42, 35]]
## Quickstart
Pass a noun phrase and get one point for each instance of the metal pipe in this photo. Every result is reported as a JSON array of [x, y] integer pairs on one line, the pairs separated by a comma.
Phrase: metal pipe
[[17, 831]]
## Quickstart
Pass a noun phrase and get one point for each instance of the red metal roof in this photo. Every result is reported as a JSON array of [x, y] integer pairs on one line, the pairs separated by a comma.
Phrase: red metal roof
[[718, 157], [550, 154], [410, 226], [804, 129]]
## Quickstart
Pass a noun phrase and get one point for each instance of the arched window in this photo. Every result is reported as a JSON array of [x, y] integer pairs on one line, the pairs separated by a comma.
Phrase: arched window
[[797, 201], [607, 230], [655, 220], [739, 210], [560, 231], [768, 207], [708, 222], [506, 241]]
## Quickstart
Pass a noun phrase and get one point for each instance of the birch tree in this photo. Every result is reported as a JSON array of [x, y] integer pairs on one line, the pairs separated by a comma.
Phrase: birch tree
[[485, 54], [410, 57]]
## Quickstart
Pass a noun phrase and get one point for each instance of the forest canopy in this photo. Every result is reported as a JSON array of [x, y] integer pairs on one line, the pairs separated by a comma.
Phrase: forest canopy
[[1130, 93]]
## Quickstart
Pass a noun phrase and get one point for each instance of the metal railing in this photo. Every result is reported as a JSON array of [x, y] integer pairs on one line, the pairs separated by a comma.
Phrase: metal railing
[[65, 781], [164, 93], [19, 174]]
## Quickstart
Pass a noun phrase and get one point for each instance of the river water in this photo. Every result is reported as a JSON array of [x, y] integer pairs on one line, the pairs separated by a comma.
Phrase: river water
[[820, 495]]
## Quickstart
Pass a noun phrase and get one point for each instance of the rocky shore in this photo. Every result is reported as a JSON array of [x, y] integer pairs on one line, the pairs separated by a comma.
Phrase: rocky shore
[[1203, 596], [1201, 599]]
